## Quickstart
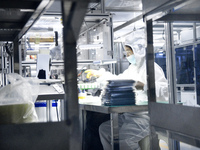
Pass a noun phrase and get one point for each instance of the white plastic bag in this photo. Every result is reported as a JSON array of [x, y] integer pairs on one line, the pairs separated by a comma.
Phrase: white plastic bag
[[17, 100]]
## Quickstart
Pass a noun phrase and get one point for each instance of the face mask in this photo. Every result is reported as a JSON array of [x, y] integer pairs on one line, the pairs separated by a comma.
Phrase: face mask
[[131, 59]]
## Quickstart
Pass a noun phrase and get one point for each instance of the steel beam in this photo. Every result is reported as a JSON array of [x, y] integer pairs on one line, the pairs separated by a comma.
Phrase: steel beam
[[180, 17], [17, 58], [41, 136], [7, 4], [11, 25], [31, 19], [73, 13], [177, 118], [150, 63], [170, 61], [123, 9], [184, 138], [114, 131], [128, 23], [155, 6], [150, 77], [6, 38]]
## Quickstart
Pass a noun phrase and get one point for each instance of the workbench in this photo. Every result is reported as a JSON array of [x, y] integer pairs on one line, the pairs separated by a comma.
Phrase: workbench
[[94, 104]]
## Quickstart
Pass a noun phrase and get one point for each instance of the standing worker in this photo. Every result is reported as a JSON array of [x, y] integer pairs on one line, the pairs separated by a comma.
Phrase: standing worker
[[134, 126]]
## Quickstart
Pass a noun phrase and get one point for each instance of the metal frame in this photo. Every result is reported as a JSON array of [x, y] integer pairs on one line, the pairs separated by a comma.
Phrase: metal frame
[[114, 113], [128, 23], [57, 135], [3, 65], [180, 122], [170, 55]]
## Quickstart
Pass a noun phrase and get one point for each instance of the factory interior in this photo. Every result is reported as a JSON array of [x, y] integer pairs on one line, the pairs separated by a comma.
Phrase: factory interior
[[62, 68]]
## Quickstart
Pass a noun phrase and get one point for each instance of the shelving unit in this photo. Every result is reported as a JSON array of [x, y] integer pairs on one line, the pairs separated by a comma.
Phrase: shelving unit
[[16, 18], [180, 123]]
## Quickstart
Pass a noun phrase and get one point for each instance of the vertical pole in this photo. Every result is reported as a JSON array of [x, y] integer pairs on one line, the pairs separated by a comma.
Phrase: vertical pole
[[5, 55], [70, 99], [17, 58], [150, 62], [73, 13], [2, 65], [194, 33], [170, 60], [114, 131], [102, 6], [171, 73], [48, 110], [12, 63], [112, 45], [194, 60], [62, 110], [151, 80]]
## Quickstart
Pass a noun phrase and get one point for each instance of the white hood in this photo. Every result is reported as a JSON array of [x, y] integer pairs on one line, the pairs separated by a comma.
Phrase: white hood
[[136, 40]]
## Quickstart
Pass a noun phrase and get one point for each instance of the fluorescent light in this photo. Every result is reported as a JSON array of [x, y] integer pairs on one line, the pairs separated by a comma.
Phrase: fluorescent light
[[27, 10], [90, 46]]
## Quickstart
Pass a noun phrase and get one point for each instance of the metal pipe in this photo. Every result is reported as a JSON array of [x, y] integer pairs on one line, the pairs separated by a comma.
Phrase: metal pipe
[[102, 6], [150, 63], [71, 32], [194, 45], [150, 78], [128, 23], [194, 33], [17, 58], [2, 66], [170, 60], [171, 72], [5, 66], [114, 131]]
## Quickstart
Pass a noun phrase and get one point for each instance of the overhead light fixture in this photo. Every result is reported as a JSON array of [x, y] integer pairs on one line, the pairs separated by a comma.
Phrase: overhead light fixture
[[27, 10], [104, 62], [90, 46]]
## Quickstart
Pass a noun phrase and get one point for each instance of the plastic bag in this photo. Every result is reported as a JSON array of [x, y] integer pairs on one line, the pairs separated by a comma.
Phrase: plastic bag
[[17, 100]]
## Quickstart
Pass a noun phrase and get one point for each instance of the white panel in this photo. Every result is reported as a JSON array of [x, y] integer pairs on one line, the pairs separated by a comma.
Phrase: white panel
[[187, 36], [188, 98]]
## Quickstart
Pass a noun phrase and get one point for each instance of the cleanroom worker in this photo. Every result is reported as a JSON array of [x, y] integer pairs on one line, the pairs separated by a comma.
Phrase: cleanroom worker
[[134, 126]]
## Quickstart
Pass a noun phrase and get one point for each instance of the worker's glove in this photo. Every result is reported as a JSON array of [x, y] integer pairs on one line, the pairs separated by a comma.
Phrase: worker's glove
[[91, 73], [94, 73], [139, 85]]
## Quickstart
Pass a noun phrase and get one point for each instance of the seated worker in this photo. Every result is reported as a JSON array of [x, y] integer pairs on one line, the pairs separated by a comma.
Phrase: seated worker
[[134, 126]]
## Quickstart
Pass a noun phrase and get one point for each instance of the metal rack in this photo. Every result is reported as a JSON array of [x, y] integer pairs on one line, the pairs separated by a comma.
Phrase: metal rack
[[179, 122], [16, 18]]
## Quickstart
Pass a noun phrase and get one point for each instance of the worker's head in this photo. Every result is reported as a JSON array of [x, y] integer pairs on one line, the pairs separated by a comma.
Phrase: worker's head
[[130, 55], [135, 47], [128, 51]]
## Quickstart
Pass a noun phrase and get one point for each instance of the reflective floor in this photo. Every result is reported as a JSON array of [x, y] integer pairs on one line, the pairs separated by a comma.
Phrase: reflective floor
[[183, 146]]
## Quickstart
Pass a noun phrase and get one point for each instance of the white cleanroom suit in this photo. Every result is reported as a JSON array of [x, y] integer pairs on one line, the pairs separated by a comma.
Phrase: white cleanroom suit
[[134, 126]]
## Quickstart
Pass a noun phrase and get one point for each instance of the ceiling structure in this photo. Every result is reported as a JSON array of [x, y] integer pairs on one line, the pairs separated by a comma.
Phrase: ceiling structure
[[122, 11], [16, 17], [127, 16]]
